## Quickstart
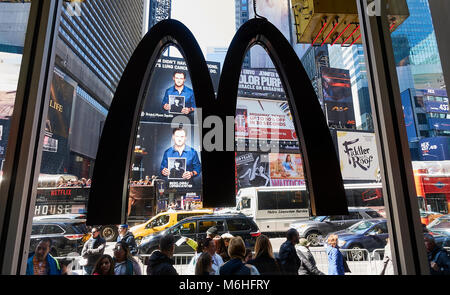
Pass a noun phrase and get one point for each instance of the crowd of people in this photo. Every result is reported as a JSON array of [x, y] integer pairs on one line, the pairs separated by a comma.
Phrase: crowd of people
[[215, 255]]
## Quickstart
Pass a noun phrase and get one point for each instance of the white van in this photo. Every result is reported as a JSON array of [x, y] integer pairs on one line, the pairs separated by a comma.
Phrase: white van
[[274, 208]]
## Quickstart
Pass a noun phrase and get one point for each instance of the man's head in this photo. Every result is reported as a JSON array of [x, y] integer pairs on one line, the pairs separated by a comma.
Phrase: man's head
[[43, 248], [177, 163], [293, 236], [179, 78], [211, 232], [430, 243], [177, 101], [209, 246], [95, 232], [167, 245], [179, 136], [123, 228]]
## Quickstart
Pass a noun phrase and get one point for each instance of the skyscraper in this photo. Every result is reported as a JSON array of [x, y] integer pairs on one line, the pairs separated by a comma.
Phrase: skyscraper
[[241, 16], [415, 49], [91, 52]]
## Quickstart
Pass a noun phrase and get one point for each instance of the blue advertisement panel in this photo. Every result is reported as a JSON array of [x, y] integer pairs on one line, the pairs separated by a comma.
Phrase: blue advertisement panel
[[409, 115], [439, 124], [435, 148], [436, 107]]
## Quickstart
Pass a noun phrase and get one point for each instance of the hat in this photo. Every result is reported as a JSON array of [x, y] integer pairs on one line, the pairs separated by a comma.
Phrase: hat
[[212, 230], [124, 225], [304, 242], [227, 236]]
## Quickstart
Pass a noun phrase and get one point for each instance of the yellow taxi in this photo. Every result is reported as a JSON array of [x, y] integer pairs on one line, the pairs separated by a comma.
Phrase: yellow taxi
[[164, 220]]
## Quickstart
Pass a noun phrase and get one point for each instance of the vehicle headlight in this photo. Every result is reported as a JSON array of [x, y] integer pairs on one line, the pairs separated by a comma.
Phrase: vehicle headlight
[[341, 243]]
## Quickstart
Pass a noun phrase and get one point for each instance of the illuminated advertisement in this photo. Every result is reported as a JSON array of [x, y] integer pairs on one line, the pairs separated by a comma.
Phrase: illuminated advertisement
[[358, 155], [261, 84], [171, 93], [408, 115], [439, 124], [436, 107], [337, 97], [252, 169], [286, 169], [435, 148], [264, 119]]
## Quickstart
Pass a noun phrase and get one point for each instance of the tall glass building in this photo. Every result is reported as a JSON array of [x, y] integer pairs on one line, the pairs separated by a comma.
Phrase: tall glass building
[[415, 49]]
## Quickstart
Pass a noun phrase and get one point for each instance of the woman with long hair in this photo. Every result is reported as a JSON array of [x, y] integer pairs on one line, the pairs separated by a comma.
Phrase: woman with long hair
[[125, 264], [264, 259], [203, 267], [104, 266]]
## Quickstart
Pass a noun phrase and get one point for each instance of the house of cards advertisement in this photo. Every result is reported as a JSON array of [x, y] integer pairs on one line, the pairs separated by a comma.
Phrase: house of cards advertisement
[[169, 150], [358, 155], [170, 91]]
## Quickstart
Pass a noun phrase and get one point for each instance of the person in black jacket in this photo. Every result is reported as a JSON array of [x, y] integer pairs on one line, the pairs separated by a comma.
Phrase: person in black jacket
[[288, 258], [264, 260], [92, 250], [128, 238], [161, 262], [308, 263]]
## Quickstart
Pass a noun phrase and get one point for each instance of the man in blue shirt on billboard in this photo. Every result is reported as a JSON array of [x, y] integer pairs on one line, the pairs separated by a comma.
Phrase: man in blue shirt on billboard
[[181, 150], [179, 89]]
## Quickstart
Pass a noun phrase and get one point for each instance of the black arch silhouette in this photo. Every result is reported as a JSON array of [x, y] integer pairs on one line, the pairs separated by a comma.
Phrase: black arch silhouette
[[107, 202], [321, 166]]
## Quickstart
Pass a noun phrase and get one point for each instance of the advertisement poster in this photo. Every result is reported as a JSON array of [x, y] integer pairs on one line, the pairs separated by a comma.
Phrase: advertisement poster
[[170, 93], [286, 170], [439, 124], [358, 155], [435, 148], [257, 83], [436, 107], [264, 119], [337, 96], [162, 159], [252, 170], [277, 12], [56, 148]]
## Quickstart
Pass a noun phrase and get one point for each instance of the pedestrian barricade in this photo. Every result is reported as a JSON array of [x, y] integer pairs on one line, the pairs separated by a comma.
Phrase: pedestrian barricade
[[181, 262], [358, 260], [74, 266]]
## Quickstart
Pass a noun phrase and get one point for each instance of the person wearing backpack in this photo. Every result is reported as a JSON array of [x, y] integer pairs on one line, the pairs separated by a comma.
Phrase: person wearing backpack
[[437, 257]]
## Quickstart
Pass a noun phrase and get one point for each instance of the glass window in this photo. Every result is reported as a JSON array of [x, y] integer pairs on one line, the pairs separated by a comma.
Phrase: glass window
[[37, 229], [373, 214], [238, 225], [187, 228], [352, 215], [160, 221], [52, 229], [203, 226]]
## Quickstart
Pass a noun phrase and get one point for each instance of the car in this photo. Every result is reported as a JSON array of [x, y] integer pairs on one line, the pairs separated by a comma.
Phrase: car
[[426, 217], [313, 229], [195, 228], [162, 221], [66, 235], [440, 225], [369, 234], [60, 216]]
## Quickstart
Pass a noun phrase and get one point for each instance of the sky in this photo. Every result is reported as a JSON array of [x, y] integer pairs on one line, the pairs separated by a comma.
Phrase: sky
[[211, 21]]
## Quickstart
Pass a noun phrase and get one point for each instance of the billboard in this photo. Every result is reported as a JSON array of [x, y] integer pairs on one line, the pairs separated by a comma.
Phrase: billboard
[[257, 83], [277, 12], [435, 148], [55, 156], [264, 119], [436, 107], [268, 169], [164, 102], [439, 124], [358, 155], [160, 150], [337, 97], [286, 169]]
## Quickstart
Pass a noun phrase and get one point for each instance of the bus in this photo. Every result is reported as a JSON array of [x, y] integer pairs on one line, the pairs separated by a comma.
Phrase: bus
[[275, 208]]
